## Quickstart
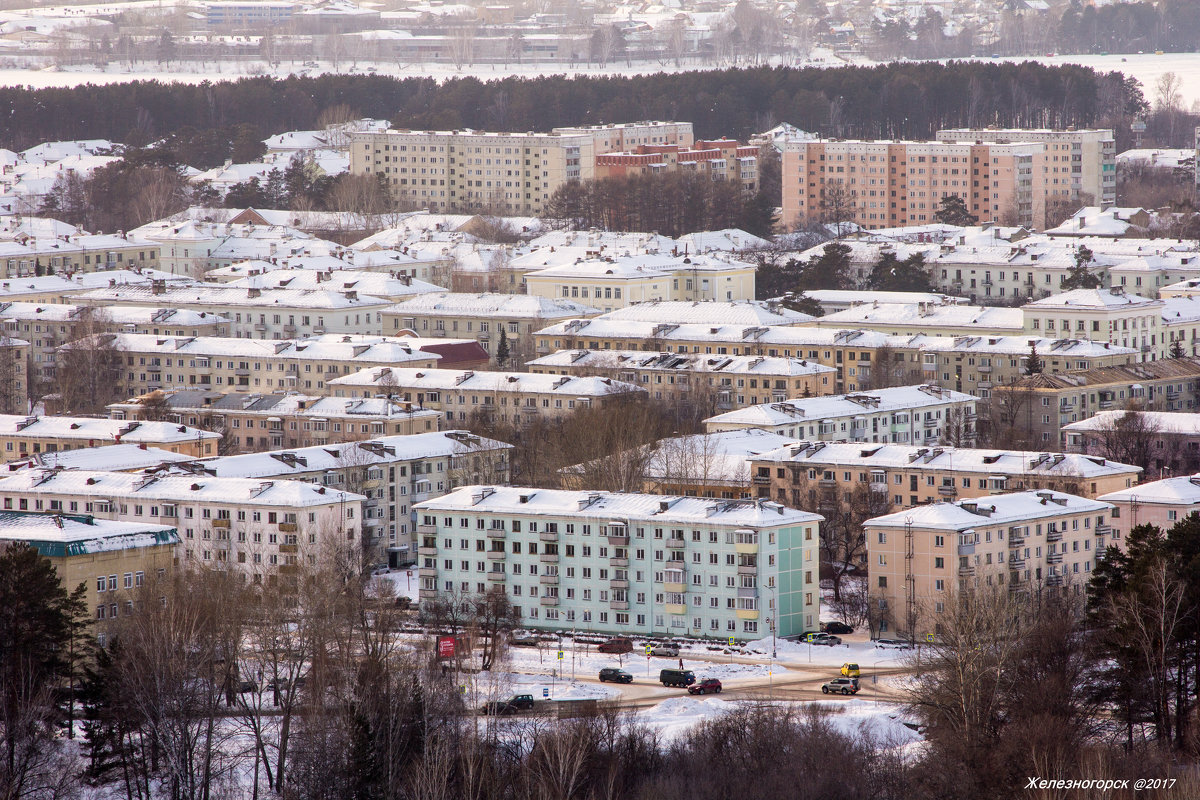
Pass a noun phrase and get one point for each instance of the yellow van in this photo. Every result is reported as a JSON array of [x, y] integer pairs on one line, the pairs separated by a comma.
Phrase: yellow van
[[851, 670]]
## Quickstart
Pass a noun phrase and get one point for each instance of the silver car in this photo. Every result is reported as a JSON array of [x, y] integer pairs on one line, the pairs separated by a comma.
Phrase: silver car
[[665, 650]]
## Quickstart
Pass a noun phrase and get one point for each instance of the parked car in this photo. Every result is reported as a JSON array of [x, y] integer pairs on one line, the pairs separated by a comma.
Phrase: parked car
[[836, 627], [706, 686], [665, 650], [677, 677], [497, 708], [825, 639], [616, 646], [524, 641], [851, 670], [898, 644], [615, 675], [841, 686]]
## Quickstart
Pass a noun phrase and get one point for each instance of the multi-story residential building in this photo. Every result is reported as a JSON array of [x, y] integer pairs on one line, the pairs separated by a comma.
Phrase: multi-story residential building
[[48, 326], [926, 414], [253, 422], [1180, 323], [701, 382], [113, 559], [22, 436], [1080, 165], [111, 457], [1168, 441], [256, 313], [1107, 315], [59, 288], [1000, 175], [629, 564], [445, 170], [253, 527], [155, 363], [1025, 541], [394, 287], [1042, 405], [14, 373], [516, 397], [618, 281], [76, 252], [816, 474], [720, 159], [193, 247], [483, 317], [1161, 503], [391, 472]]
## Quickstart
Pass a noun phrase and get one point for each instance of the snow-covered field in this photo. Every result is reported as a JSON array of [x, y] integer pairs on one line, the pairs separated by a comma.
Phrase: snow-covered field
[[588, 664]]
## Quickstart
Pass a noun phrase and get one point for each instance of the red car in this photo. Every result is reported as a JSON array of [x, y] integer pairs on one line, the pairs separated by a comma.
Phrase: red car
[[706, 686], [615, 646]]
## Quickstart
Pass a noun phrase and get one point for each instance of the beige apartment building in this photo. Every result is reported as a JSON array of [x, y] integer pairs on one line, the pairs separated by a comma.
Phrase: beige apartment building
[[227, 364], [720, 383], [813, 475], [719, 159], [1008, 177], [517, 397], [254, 527], [22, 436], [255, 421], [1106, 315], [1043, 405], [77, 252], [1025, 542], [113, 559], [513, 172]]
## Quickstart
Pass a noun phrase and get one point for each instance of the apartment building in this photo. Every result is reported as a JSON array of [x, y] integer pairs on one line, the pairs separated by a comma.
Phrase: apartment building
[[22, 436], [926, 414], [1107, 315], [1180, 323], [58, 288], [930, 319], [1025, 541], [483, 317], [256, 313], [1045, 404], [1169, 441], [1000, 175], [719, 159], [1080, 165], [30, 256], [51, 325], [113, 559], [717, 382], [255, 421], [391, 472], [516, 397], [193, 247], [517, 172], [1162, 503], [154, 363], [392, 286], [808, 474], [14, 388], [618, 281], [631, 564], [253, 527]]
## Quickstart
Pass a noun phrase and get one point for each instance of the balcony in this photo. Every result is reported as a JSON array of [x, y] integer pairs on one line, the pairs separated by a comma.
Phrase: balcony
[[672, 586], [1054, 536], [287, 527], [617, 561], [675, 608], [493, 533], [930, 423], [949, 491], [495, 555], [827, 483], [427, 572], [618, 583], [966, 549], [745, 613], [548, 536], [745, 548], [426, 529], [1016, 541], [1054, 558], [427, 594], [618, 539], [619, 605], [1104, 530], [548, 580], [984, 369], [966, 572], [493, 575], [221, 523], [549, 558], [1016, 563], [1054, 580], [548, 601], [676, 543], [747, 569], [427, 551]]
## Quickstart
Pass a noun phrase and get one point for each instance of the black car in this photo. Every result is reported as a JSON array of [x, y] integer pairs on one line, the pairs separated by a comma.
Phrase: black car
[[615, 675], [836, 627], [518, 702]]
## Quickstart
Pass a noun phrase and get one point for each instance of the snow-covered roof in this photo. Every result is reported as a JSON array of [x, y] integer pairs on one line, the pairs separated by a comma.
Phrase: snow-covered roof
[[468, 380], [997, 509], [65, 535], [1096, 221], [960, 459], [378, 284], [681, 362], [631, 507], [880, 401], [115, 457], [365, 348], [380, 450], [1165, 158], [489, 304], [1179, 310], [289, 404], [723, 456], [1184, 490], [172, 488], [1090, 298], [709, 312], [641, 266], [99, 430], [214, 295], [855, 297], [600, 328], [117, 315], [926, 316], [1165, 422]]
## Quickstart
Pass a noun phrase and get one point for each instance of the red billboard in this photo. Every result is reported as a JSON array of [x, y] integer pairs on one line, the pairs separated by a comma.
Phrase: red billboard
[[445, 645]]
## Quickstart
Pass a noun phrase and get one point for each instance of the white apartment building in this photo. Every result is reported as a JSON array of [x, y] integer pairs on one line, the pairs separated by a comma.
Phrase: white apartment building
[[631, 564], [1106, 315]]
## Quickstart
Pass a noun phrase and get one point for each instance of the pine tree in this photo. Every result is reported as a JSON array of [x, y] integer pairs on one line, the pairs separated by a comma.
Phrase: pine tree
[[1033, 364], [1177, 349], [502, 352]]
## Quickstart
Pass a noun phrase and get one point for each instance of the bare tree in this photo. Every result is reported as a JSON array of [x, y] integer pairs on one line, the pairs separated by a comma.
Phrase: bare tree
[[1128, 438], [89, 370], [837, 207]]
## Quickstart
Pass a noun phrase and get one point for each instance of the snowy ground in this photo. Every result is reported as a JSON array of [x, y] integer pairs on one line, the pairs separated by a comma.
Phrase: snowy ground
[[588, 663]]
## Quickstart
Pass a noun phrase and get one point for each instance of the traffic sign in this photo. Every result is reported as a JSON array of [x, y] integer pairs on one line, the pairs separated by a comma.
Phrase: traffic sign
[[647, 651], [731, 641], [545, 692], [808, 638], [560, 655], [929, 637]]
